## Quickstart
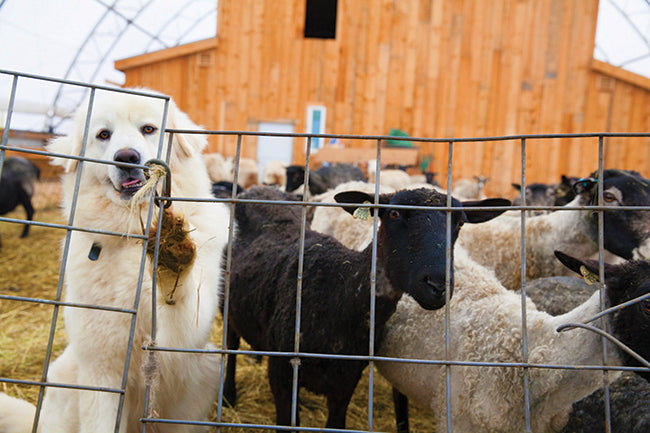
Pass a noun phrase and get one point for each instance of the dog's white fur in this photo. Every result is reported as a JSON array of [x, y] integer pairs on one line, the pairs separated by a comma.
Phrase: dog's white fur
[[184, 385]]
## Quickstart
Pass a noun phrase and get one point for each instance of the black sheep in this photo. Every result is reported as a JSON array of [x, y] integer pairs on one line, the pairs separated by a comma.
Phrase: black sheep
[[564, 192], [537, 194], [223, 189], [629, 394], [541, 194], [624, 282], [629, 397], [324, 178], [17, 186], [411, 251]]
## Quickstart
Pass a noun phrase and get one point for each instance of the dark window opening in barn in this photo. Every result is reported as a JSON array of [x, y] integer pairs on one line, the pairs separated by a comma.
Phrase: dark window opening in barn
[[320, 19]]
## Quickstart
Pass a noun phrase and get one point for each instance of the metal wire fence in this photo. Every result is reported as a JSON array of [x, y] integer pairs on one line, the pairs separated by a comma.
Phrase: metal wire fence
[[149, 418]]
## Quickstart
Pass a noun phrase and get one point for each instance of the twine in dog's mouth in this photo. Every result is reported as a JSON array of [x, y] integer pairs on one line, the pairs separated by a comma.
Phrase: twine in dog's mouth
[[141, 190], [155, 172]]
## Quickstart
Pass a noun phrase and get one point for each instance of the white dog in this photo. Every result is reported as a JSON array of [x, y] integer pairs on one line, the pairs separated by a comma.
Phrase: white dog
[[103, 270]]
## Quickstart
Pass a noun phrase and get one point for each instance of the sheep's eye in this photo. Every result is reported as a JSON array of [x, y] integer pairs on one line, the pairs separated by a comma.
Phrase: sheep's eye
[[609, 197], [149, 129], [104, 134], [393, 214]]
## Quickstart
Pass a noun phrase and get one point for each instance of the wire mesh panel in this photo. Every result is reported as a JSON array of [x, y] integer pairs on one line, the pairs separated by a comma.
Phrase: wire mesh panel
[[481, 344]]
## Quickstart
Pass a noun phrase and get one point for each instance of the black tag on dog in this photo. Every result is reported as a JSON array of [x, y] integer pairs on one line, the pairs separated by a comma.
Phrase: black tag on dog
[[94, 251]]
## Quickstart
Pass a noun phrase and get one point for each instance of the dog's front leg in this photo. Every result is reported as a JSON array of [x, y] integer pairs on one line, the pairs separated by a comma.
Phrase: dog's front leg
[[98, 410]]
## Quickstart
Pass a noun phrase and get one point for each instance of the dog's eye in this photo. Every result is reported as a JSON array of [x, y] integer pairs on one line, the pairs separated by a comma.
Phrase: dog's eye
[[104, 134], [149, 129]]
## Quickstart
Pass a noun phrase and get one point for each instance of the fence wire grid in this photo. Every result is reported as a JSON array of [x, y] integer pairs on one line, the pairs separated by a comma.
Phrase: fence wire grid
[[217, 422]]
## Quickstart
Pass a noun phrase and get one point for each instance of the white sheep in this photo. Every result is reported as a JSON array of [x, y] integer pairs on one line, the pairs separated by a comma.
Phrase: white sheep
[[274, 173], [497, 243], [394, 178], [485, 325], [218, 168], [470, 189], [223, 169], [354, 233], [248, 172]]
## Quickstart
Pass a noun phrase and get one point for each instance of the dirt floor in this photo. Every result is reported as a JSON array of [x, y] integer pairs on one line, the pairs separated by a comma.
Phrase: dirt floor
[[30, 268]]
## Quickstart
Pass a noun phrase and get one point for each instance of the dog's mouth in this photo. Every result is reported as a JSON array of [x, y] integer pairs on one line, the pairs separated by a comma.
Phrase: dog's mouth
[[129, 186]]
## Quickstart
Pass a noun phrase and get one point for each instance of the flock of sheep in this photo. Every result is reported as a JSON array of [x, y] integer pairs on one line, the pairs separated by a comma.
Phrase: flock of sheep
[[442, 293], [435, 293]]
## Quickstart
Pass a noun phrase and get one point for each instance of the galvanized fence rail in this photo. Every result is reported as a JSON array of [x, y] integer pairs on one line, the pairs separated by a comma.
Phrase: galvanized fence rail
[[57, 302]]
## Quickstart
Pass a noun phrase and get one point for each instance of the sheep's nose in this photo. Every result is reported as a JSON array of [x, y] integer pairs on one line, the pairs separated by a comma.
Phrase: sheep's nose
[[128, 155], [437, 289]]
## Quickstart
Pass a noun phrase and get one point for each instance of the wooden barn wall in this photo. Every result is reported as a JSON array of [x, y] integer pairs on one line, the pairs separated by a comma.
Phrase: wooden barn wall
[[429, 67]]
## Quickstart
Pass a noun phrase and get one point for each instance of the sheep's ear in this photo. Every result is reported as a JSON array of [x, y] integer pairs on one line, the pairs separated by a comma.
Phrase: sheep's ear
[[68, 145], [516, 186], [588, 269], [357, 197], [185, 145], [584, 185], [480, 216]]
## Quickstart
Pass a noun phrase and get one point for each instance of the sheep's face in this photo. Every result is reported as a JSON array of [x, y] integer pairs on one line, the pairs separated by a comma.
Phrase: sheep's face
[[537, 194], [564, 192], [413, 242], [625, 231], [295, 177], [623, 282]]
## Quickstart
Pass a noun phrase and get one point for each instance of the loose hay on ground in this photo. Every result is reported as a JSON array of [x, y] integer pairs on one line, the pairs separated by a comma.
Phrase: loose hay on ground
[[30, 268]]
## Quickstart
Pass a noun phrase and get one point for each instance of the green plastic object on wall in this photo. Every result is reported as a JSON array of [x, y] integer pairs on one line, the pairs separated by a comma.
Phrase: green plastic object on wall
[[398, 143]]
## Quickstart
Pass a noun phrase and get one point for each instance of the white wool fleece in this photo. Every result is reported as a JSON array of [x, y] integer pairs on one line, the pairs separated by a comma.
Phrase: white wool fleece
[[485, 326]]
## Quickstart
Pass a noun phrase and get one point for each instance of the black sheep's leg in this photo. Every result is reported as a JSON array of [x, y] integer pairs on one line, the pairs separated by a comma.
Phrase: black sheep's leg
[[27, 204], [337, 408], [229, 386], [280, 379], [401, 404]]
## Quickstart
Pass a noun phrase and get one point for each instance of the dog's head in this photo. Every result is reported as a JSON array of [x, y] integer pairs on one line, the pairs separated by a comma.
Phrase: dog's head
[[125, 128]]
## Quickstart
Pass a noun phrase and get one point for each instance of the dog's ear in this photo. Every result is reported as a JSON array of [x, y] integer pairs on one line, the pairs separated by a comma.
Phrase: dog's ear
[[185, 145], [67, 145]]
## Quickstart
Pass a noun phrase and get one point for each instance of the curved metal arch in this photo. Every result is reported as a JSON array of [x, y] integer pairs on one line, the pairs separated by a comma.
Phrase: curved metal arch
[[109, 9], [626, 15], [91, 41], [173, 18], [634, 27]]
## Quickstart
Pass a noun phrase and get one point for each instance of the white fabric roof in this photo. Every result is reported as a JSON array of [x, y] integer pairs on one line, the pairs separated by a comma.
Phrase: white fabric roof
[[79, 40]]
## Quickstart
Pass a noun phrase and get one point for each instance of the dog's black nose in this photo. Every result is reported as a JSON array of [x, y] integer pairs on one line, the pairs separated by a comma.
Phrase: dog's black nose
[[127, 155]]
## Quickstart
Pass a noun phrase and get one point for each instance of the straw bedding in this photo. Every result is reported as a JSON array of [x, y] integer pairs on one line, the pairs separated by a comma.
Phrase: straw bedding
[[30, 268]]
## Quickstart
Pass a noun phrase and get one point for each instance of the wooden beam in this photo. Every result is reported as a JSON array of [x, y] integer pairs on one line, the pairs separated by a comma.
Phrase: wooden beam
[[166, 54], [29, 135], [620, 74]]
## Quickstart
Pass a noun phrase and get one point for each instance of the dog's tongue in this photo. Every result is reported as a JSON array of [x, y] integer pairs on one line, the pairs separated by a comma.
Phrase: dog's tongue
[[128, 183]]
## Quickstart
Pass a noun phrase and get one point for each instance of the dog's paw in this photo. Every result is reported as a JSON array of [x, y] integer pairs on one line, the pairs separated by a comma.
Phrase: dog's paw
[[177, 250]]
